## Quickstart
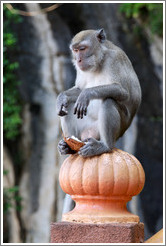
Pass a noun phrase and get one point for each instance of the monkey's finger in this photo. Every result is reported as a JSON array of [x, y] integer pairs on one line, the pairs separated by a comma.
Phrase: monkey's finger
[[84, 150], [85, 147], [64, 151], [75, 108], [59, 108], [62, 113], [85, 110], [78, 113], [63, 147], [63, 144], [64, 109], [81, 112]]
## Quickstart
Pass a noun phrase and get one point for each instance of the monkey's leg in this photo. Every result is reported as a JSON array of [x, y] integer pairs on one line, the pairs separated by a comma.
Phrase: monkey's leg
[[109, 123], [109, 129]]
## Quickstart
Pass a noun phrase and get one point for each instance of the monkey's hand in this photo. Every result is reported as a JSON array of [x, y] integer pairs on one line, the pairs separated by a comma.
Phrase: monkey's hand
[[81, 105], [62, 104], [64, 149]]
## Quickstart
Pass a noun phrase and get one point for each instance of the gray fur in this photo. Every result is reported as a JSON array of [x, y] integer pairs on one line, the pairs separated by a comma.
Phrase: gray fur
[[105, 98]]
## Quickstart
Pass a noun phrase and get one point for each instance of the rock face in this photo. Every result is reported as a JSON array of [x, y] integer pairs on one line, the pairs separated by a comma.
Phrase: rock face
[[45, 70]]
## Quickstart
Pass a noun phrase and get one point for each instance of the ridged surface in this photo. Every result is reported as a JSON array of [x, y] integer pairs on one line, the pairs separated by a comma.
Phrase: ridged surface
[[112, 174]]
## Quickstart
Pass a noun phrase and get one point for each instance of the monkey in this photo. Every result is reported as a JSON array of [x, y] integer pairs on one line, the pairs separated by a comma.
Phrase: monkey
[[105, 98]]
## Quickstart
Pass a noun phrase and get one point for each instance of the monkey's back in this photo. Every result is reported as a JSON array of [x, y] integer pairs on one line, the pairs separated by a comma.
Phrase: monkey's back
[[126, 74]]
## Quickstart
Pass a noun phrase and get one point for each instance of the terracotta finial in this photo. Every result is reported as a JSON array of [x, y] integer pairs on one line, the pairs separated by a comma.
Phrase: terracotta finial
[[101, 186]]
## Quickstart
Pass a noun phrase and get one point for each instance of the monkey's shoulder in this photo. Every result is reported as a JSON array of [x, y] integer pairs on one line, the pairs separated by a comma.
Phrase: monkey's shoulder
[[114, 51], [116, 59], [117, 54]]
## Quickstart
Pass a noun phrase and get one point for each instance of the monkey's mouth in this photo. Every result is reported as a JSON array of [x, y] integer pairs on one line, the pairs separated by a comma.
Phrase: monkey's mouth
[[83, 66]]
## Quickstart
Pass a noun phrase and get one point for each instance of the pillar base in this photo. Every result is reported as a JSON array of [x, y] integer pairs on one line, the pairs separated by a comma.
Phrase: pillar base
[[68, 232]]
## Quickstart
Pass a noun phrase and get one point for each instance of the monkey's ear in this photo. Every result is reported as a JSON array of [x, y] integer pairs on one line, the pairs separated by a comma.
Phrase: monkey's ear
[[101, 35], [70, 46]]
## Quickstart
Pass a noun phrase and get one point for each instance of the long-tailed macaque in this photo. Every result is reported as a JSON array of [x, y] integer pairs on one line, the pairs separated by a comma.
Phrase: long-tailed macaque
[[105, 98]]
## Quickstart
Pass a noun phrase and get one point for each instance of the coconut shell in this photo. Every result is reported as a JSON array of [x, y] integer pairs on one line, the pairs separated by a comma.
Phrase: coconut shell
[[74, 144]]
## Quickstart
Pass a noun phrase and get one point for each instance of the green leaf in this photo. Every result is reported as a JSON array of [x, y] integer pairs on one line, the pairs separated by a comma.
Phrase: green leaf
[[13, 189], [5, 172], [151, 14], [11, 99]]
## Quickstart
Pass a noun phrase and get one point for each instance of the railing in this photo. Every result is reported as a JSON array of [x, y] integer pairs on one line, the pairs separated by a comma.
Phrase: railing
[[157, 238]]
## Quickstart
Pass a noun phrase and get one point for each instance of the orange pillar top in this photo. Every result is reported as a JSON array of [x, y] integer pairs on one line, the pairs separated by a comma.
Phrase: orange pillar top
[[101, 186]]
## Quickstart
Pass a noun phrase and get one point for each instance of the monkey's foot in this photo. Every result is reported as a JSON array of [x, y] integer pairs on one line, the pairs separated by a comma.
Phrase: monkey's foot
[[93, 147], [64, 148]]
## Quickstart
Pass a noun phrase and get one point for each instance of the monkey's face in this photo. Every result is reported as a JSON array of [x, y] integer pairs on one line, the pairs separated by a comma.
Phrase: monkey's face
[[87, 49], [83, 56]]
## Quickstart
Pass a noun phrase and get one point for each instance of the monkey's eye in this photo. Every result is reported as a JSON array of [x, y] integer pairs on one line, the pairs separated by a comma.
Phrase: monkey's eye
[[82, 48], [75, 50]]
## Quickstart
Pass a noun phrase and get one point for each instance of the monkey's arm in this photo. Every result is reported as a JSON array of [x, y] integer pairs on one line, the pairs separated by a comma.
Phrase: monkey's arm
[[65, 98], [114, 91]]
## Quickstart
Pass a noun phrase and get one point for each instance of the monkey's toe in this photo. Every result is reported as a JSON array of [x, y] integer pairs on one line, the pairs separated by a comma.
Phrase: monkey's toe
[[93, 148], [87, 151]]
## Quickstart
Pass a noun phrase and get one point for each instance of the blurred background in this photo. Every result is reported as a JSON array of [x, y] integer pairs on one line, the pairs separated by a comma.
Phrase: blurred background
[[37, 67]]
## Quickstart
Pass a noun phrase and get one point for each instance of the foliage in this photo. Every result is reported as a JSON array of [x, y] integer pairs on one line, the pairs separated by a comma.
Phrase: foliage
[[12, 104], [151, 14], [11, 199], [11, 98]]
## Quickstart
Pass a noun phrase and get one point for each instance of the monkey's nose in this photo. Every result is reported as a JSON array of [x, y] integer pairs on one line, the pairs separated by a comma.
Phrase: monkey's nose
[[79, 60]]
